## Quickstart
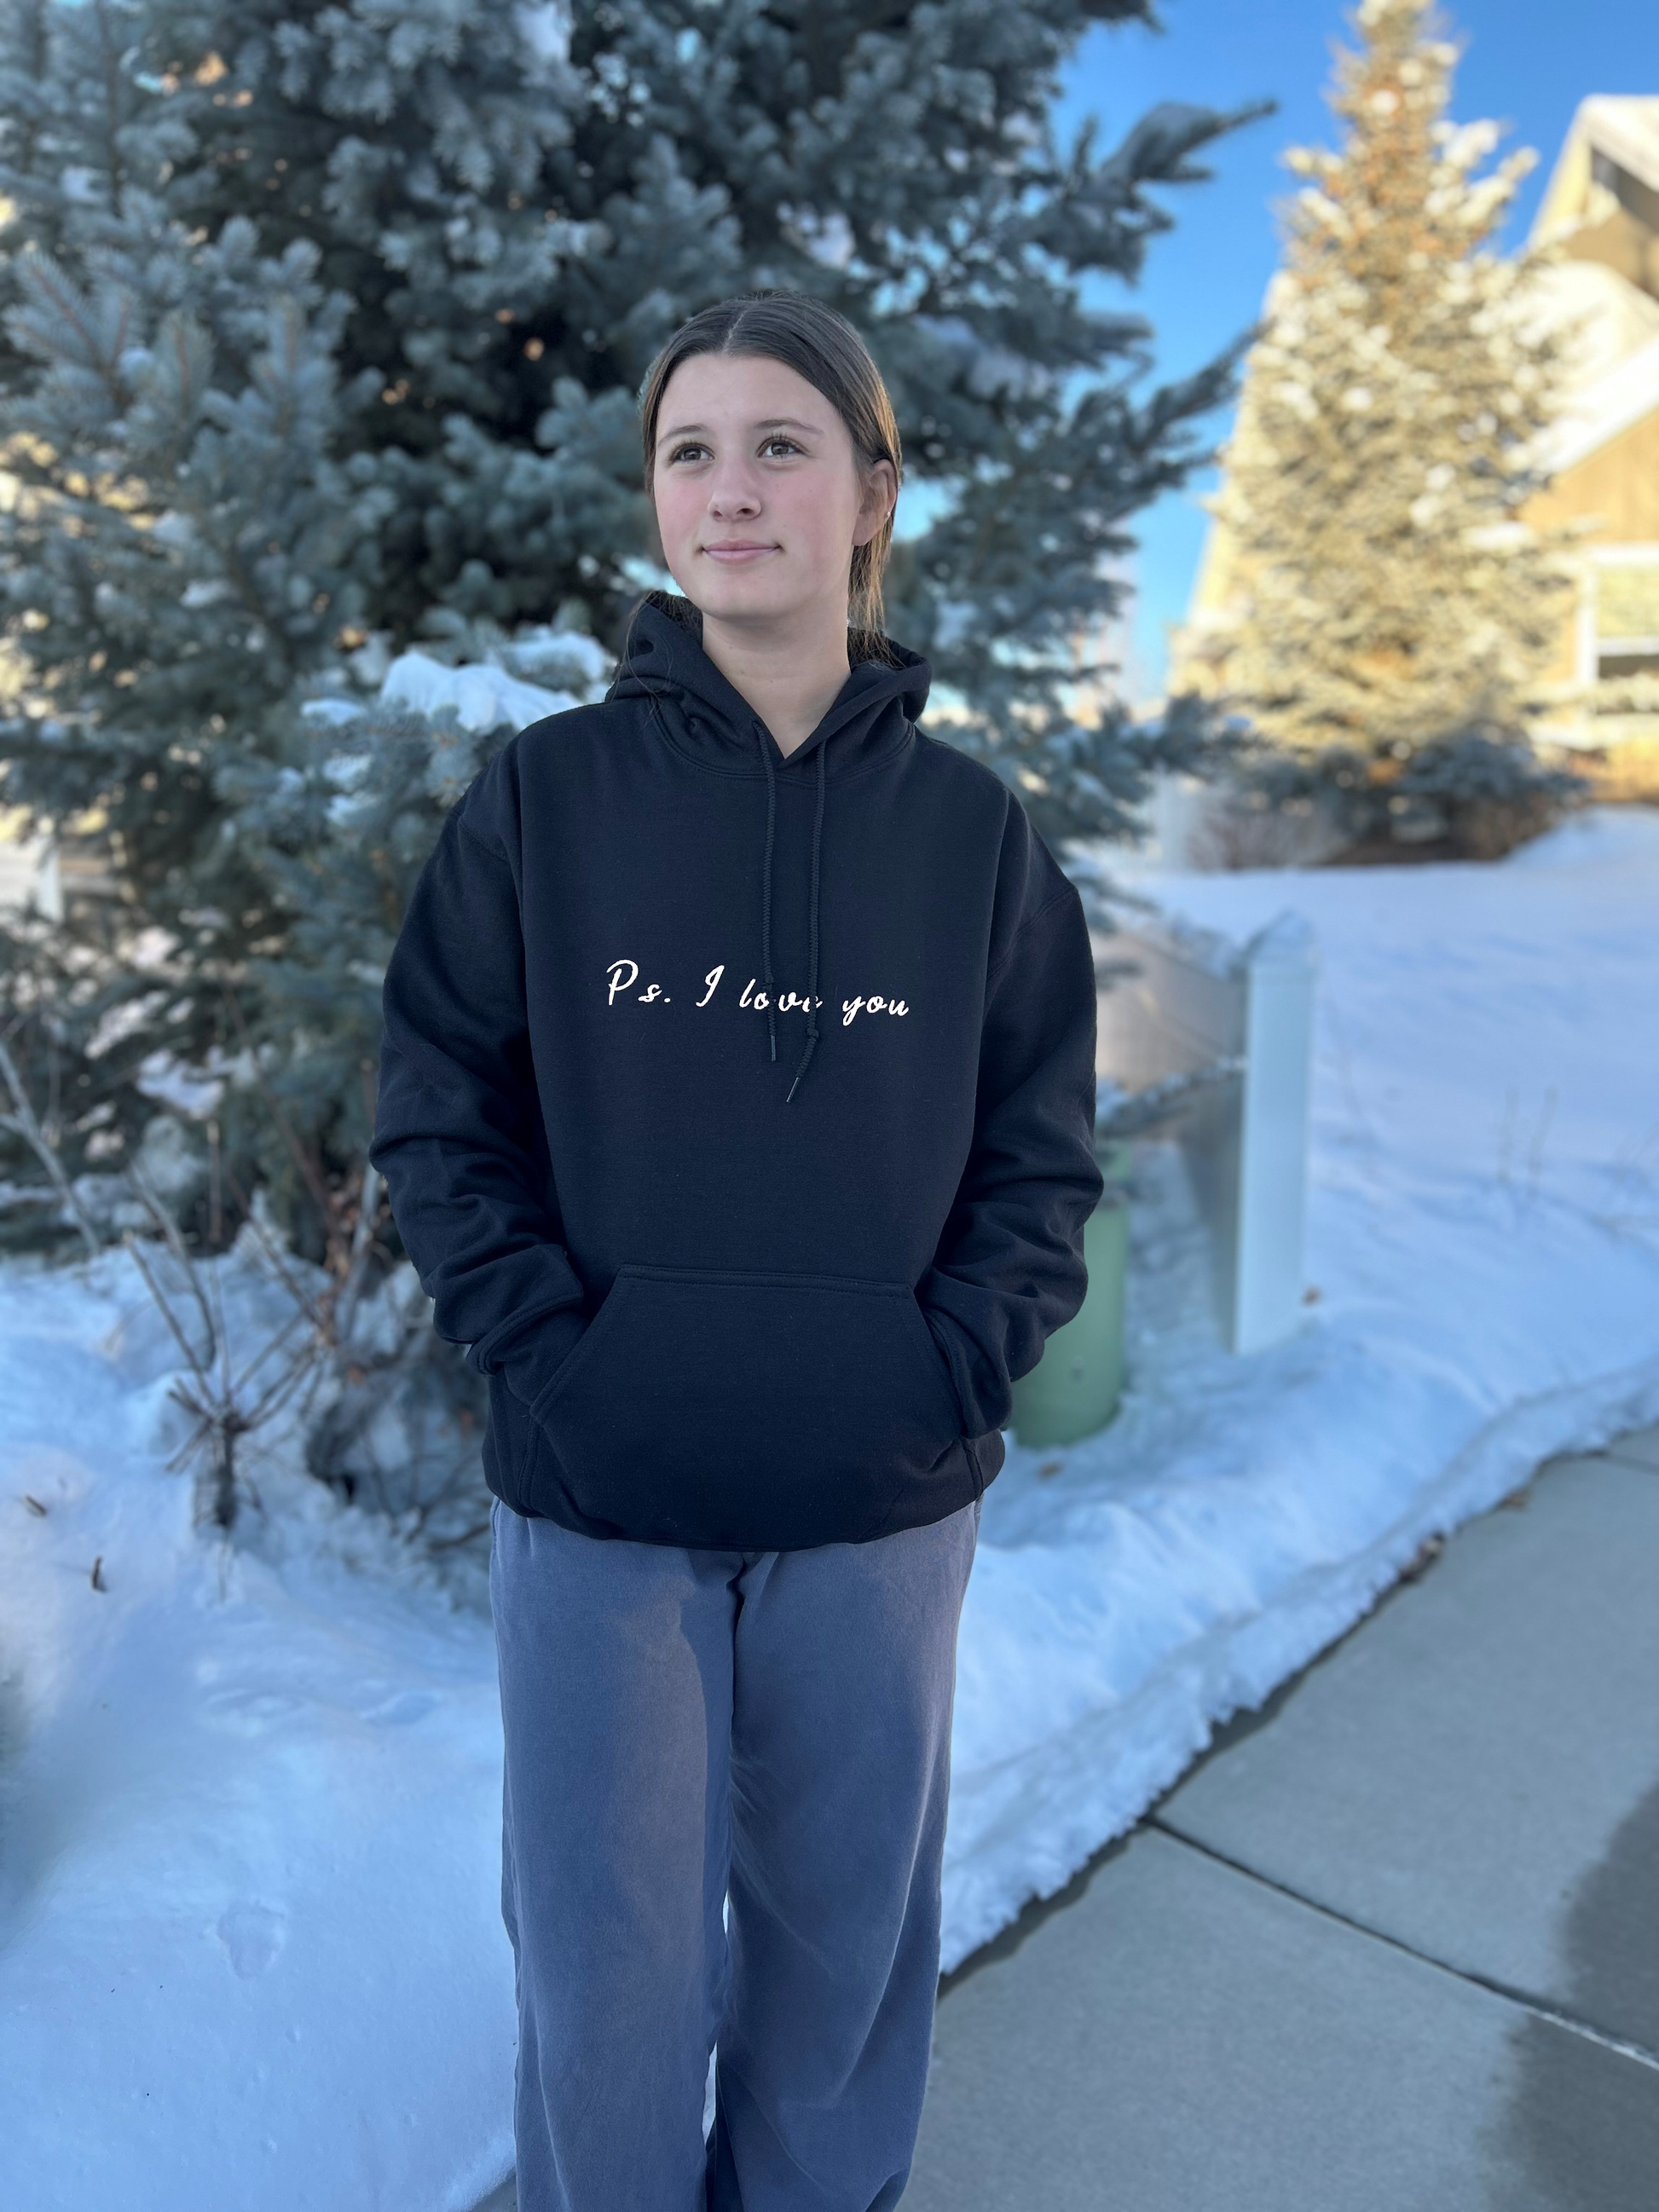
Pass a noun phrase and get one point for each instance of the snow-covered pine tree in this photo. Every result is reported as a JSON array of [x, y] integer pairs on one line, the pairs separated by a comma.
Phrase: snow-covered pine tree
[[324, 326], [337, 832], [1384, 604]]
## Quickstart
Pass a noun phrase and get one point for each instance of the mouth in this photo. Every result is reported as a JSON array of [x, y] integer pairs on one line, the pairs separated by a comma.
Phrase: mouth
[[735, 552]]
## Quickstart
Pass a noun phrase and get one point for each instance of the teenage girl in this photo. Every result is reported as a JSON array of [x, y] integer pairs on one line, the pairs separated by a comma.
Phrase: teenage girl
[[737, 1108]]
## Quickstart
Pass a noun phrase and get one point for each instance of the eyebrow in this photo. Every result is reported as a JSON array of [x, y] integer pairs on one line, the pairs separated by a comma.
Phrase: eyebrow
[[770, 423]]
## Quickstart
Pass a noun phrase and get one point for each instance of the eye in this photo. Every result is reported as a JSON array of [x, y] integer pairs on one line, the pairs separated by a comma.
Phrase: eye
[[690, 445], [779, 439]]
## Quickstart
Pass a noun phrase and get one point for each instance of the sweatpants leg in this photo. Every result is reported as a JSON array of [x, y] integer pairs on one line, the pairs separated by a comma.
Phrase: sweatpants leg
[[616, 1676], [675, 1716], [844, 1681]]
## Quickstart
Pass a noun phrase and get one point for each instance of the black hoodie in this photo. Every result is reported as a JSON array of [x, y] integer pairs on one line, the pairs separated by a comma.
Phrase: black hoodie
[[737, 1110]]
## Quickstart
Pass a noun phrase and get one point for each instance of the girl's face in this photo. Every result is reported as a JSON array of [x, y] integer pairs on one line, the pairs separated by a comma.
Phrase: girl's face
[[759, 497]]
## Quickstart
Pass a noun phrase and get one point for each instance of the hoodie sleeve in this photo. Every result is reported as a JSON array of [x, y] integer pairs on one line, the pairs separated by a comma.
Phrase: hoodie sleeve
[[1009, 1269], [458, 1131]]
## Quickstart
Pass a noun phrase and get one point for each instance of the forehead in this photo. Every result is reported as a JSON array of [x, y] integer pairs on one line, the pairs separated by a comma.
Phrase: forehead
[[740, 391]]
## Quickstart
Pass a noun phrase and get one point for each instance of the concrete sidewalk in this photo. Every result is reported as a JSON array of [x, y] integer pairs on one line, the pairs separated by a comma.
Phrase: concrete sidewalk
[[1390, 1945]]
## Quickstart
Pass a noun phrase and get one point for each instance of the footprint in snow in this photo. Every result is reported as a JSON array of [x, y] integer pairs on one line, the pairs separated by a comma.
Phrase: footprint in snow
[[253, 1935], [251, 1712], [397, 1711]]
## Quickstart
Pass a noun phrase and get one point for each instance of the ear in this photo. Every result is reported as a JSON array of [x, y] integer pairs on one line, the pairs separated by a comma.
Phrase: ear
[[880, 496]]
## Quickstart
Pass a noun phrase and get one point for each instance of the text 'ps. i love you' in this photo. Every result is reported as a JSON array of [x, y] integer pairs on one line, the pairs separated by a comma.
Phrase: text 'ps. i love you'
[[624, 975]]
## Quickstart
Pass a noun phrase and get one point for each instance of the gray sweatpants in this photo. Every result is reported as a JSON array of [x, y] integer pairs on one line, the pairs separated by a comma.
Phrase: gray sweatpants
[[681, 1723]]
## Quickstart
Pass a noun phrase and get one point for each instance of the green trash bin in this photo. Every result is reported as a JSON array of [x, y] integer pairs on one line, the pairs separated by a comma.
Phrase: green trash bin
[[1075, 1387]]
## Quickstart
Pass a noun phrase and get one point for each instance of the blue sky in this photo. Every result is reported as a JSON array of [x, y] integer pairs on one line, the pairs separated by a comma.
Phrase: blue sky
[[1525, 64]]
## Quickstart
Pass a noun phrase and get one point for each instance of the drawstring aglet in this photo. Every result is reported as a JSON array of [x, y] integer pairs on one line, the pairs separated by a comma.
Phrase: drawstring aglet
[[811, 1043]]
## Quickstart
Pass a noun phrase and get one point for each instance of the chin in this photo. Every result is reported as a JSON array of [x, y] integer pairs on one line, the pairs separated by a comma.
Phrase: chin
[[738, 597]]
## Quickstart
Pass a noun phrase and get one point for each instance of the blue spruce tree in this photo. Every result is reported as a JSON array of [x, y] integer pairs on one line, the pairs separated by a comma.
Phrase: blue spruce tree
[[322, 330]]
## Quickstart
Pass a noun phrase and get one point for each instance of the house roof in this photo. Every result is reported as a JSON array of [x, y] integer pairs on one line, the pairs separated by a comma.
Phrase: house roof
[[1623, 129], [1628, 130], [1615, 378], [1604, 408]]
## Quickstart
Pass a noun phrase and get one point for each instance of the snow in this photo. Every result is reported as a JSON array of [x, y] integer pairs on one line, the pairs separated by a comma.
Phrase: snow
[[250, 1945], [484, 695], [250, 1941]]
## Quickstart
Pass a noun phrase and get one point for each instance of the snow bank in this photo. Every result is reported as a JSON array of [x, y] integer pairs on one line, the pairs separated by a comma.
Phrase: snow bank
[[251, 1949]]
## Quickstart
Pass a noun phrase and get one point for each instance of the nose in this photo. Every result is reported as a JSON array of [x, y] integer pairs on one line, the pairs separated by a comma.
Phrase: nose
[[733, 490]]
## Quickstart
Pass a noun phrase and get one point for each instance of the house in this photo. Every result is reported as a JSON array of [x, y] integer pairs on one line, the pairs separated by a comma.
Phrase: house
[[1600, 207], [1601, 204]]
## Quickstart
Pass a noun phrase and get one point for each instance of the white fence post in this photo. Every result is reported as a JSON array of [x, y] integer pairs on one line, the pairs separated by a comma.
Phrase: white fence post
[[1280, 963], [1198, 1003]]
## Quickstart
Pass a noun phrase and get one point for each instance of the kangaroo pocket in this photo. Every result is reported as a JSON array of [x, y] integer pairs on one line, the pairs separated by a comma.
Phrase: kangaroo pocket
[[750, 1411]]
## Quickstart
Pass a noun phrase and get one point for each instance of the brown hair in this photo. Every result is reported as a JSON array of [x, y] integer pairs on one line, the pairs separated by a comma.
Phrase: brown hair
[[811, 338]]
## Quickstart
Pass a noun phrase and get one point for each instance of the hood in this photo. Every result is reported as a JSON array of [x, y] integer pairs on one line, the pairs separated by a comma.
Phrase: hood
[[703, 715], [710, 720]]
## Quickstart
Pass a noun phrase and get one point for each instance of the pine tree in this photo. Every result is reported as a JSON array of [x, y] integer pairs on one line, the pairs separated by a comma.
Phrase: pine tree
[[337, 833], [324, 329], [1385, 599]]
